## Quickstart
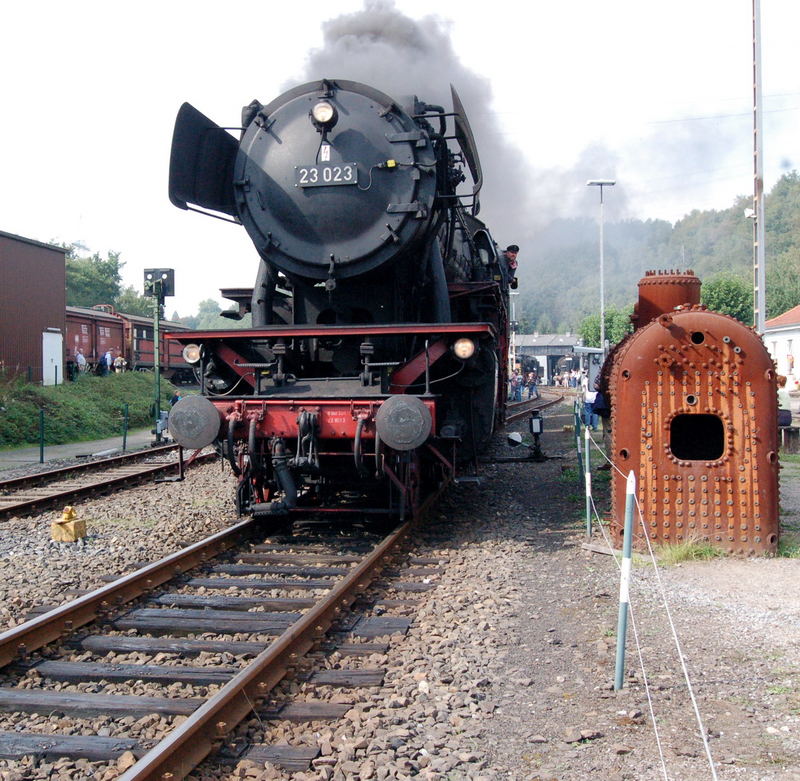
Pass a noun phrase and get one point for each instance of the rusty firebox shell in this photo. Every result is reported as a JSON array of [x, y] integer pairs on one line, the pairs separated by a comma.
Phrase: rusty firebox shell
[[703, 442]]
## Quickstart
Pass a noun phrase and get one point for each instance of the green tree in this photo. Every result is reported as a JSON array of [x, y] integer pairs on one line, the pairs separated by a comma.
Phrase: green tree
[[131, 302], [209, 318], [544, 325], [729, 294], [618, 325], [92, 280], [208, 314], [783, 282]]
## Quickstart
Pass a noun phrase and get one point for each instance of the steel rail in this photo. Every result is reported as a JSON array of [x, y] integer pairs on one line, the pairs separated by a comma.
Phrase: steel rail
[[188, 744], [86, 490], [518, 409], [18, 642], [83, 466]]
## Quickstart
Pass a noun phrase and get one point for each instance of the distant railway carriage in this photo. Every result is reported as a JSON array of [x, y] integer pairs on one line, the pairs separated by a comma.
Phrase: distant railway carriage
[[93, 331], [139, 346], [99, 329]]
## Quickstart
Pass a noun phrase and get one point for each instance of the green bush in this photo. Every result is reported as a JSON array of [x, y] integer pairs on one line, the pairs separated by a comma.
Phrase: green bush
[[90, 408]]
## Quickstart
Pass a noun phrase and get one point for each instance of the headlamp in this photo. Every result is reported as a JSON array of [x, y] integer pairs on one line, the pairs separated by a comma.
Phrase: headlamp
[[191, 353], [324, 115], [464, 348]]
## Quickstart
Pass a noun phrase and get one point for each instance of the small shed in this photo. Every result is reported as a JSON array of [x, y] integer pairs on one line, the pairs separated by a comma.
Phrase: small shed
[[32, 309]]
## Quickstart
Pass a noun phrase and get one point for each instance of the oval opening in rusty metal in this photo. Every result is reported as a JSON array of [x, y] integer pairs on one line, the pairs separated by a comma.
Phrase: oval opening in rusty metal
[[623, 454], [691, 400], [698, 337]]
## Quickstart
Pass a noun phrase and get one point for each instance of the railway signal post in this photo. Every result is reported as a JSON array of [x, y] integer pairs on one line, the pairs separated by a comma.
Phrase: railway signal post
[[158, 283]]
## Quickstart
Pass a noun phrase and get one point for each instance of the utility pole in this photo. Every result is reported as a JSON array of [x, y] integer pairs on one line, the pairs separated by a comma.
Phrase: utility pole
[[759, 259], [601, 183]]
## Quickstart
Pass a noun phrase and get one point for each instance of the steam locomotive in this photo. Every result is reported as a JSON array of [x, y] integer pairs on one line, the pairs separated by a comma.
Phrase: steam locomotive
[[371, 375]]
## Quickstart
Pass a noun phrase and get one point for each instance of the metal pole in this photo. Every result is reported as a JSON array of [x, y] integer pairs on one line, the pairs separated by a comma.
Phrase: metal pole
[[588, 477], [41, 436], [124, 427], [157, 356], [602, 281], [759, 260], [513, 333], [577, 420], [624, 581], [601, 183]]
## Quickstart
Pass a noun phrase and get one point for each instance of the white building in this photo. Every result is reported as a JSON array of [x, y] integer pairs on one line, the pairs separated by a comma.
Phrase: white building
[[782, 339]]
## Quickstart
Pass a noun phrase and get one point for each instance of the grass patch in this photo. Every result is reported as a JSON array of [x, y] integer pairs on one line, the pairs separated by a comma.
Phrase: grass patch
[[569, 474], [789, 549], [90, 408], [779, 690], [688, 550]]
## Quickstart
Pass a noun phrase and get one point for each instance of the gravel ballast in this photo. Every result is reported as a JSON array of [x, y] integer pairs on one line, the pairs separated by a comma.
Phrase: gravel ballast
[[507, 671]]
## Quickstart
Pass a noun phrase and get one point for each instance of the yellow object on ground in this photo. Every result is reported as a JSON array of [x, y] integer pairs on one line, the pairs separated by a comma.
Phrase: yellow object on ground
[[69, 528]]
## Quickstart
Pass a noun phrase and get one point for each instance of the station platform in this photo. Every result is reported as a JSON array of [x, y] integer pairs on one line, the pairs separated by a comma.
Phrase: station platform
[[26, 456]]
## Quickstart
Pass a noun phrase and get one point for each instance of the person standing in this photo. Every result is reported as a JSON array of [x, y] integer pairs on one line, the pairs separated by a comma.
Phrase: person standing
[[80, 359], [106, 363], [784, 403], [589, 415]]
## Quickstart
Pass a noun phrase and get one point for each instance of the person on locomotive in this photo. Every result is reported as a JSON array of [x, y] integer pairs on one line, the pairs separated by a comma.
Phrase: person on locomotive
[[510, 256]]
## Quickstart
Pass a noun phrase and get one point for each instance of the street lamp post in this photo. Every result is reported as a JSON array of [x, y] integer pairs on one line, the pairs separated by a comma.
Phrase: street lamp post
[[601, 183], [513, 332]]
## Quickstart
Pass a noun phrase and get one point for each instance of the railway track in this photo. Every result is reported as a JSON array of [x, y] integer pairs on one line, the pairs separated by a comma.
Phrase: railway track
[[21, 495], [518, 409], [203, 647]]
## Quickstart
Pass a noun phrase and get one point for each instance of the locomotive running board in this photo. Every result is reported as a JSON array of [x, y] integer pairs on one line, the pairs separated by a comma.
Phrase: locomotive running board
[[305, 331]]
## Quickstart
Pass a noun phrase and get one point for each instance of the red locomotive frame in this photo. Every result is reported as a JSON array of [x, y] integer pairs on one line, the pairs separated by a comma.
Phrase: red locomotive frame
[[345, 425]]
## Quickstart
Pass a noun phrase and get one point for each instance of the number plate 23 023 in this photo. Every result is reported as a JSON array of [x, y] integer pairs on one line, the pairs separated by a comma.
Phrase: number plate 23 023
[[326, 174]]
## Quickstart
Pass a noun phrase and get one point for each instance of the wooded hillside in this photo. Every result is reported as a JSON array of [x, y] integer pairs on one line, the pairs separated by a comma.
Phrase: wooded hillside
[[559, 283]]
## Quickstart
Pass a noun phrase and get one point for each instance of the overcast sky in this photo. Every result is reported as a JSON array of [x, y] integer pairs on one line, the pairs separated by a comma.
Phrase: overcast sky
[[655, 94]]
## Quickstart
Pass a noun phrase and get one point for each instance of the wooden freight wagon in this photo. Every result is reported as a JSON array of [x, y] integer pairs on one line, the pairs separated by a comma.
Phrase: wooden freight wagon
[[95, 332]]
